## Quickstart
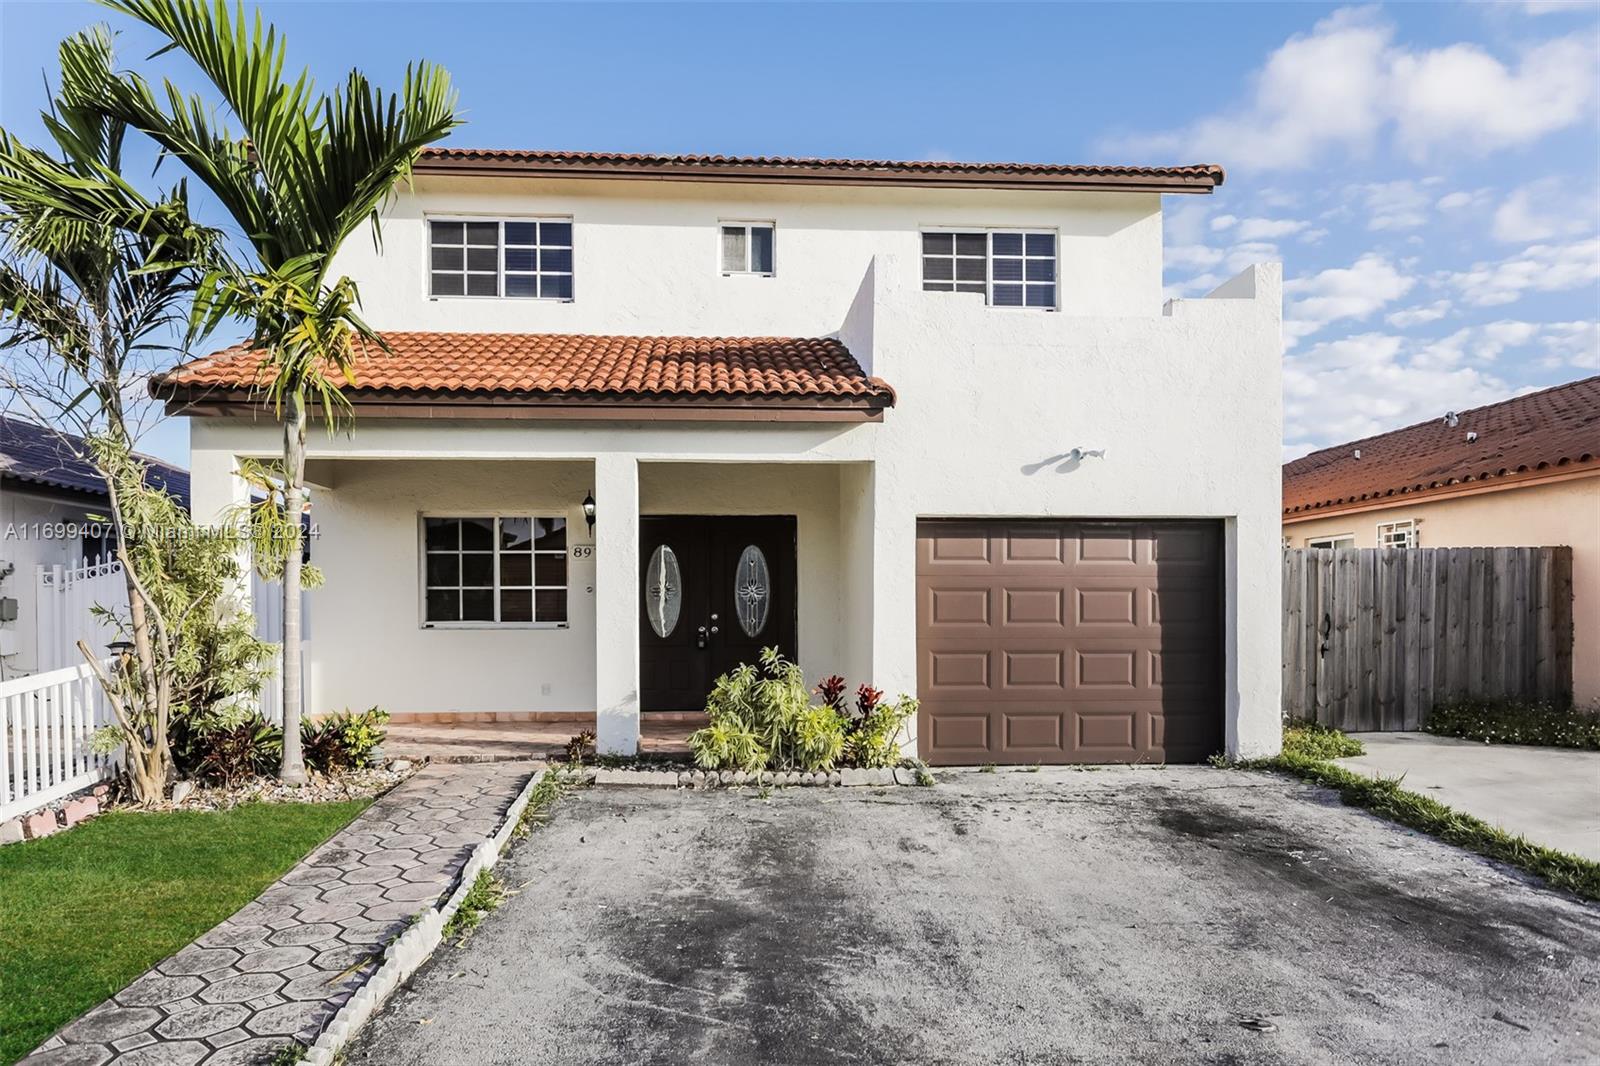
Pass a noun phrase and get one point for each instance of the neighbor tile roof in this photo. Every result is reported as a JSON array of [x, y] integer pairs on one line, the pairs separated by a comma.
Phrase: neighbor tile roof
[[41, 456], [1197, 177], [1555, 429], [558, 366]]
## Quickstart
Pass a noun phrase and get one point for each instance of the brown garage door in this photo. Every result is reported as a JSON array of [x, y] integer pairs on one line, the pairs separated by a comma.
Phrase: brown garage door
[[1065, 642]]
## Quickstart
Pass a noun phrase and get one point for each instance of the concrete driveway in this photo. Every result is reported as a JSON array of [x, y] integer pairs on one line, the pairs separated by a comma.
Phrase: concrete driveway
[[1549, 795], [1113, 916]]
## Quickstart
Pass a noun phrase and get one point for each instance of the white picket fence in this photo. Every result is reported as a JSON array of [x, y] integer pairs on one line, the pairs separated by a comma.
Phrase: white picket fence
[[65, 598], [46, 721]]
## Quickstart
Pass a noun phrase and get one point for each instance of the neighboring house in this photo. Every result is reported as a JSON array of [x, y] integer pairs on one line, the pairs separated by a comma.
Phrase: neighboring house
[[53, 507], [926, 425], [1524, 472]]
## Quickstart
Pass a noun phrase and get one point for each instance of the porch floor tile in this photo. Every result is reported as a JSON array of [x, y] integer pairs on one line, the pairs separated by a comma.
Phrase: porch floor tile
[[496, 741]]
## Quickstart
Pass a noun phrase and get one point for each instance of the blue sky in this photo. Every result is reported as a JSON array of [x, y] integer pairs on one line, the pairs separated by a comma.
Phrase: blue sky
[[1428, 173]]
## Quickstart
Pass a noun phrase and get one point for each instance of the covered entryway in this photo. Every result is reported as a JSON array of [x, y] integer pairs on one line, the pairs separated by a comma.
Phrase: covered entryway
[[716, 589], [1069, 641]]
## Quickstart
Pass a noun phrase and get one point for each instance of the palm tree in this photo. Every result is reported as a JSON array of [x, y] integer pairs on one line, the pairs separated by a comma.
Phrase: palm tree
[[303, 171], [83, 306]]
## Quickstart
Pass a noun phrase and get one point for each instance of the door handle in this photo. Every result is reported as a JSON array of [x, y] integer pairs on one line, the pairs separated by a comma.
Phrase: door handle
[[700, 638]]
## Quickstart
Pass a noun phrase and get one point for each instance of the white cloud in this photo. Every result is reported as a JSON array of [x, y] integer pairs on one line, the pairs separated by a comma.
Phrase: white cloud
[[1456, 201], [1537, 268], [1546, 209], [1464, 97], [1357, 291], [1572, 344], [1191, 256], [1222, 222], [1356, 386], [1339, 88], [1416, 316], [1396, 204], [1267, 229]]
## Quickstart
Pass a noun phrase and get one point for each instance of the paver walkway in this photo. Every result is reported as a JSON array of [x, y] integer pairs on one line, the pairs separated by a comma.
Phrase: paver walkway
[[278, 969]]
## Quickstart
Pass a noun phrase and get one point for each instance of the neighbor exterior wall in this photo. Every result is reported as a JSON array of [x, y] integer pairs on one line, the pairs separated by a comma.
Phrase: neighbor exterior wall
[[26, 522], [1560, 512]]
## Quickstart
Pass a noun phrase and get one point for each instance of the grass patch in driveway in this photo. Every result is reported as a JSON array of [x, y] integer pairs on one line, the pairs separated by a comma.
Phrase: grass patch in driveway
[[84, 912], [1305, 754], [1517, 722]]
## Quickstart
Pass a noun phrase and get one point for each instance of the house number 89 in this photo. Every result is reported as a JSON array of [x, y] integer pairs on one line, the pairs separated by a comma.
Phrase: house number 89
[[582, 551]]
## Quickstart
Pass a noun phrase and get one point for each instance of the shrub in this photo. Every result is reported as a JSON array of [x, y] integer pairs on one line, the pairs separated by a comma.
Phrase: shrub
[[580, 746], [1517, 722], [1310, 740], [232, 749], [762, 716], [227, 752]]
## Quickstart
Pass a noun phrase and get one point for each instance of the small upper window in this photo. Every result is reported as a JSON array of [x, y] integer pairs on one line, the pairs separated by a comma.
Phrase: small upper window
[[747, 247], [528, 258], [1401, 534], [1343, 540], [1012, 268]]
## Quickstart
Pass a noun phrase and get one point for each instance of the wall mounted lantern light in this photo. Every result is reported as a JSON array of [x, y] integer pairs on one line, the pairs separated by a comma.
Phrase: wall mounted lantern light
[[588, 511]]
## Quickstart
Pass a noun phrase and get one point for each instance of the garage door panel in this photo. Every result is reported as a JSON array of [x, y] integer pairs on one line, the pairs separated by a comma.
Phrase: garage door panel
[[1069, 641]]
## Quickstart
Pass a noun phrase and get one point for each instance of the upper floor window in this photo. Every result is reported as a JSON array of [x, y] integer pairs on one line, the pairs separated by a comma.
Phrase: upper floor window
[[528, 258], [1012, 268], [1401, 534], [747, 247]]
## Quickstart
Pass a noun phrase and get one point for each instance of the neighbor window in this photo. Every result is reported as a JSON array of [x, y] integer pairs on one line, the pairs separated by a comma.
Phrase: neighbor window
[[495, 571], [1397, 534], [747, 247], [1011, 268], [1343, 540], [527, 258]]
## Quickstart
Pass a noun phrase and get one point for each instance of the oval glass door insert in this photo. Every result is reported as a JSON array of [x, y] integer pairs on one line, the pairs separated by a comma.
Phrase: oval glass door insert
[[752, 590], [663, 591]]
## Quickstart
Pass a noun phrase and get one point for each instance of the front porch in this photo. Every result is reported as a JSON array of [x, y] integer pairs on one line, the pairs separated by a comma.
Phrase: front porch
[[472, 599], [486, 737]]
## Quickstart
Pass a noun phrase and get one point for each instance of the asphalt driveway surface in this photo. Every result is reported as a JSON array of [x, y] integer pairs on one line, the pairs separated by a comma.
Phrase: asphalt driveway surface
[[1110, 916]]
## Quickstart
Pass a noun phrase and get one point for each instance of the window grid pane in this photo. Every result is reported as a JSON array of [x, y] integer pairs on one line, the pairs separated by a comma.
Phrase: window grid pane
[[511, 259], [510, 570], [1012, 268]]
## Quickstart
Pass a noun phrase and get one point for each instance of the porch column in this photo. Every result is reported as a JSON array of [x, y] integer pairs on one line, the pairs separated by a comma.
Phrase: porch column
[[616, 603]]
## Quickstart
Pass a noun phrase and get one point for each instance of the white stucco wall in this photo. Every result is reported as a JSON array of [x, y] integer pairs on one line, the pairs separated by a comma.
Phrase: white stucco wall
[[1186, 403], [646, 253], [23, 516]]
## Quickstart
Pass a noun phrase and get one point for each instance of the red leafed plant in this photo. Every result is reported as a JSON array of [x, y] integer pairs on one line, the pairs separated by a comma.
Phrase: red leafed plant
[[832, 692], [867, 698]]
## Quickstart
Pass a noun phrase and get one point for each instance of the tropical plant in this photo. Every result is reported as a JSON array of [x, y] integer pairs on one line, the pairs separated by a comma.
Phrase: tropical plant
[[86, 304], [762, 715], [303, 171], [872, 728]]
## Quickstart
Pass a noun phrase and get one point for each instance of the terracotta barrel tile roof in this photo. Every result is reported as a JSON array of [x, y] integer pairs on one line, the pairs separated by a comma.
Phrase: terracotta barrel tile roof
[[1552, 430], [1200, 177], [574, 366]]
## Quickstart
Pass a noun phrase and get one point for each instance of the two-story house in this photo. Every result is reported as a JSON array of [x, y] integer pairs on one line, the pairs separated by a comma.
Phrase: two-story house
[[928, 425]]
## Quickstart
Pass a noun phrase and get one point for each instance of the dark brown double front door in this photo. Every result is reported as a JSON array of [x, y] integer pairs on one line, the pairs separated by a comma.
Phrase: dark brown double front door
[[714, 591]]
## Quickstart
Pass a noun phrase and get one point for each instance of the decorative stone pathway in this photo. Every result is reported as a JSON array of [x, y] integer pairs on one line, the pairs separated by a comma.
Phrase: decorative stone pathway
[[277, 970]]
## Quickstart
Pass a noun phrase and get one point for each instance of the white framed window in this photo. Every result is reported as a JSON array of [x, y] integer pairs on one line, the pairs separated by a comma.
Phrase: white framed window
[[1401, 534], [494, 570], [748, 247], [1340, 540], [1011, 268], [526, 258]]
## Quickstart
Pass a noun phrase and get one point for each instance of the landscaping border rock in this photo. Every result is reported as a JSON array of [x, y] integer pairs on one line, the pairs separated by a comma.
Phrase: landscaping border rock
[[709, 779]]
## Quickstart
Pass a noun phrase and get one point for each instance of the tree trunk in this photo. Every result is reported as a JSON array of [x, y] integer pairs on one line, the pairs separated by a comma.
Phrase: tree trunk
[[293, 770]]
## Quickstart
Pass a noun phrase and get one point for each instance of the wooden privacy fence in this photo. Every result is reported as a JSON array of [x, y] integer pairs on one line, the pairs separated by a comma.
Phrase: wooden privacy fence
[[1373, 637]]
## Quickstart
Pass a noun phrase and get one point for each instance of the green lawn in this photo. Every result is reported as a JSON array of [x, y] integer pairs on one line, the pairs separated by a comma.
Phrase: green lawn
[[84, 912]]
